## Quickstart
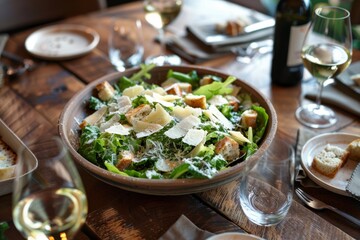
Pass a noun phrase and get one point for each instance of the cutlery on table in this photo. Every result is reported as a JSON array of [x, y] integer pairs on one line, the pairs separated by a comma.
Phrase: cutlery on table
[[25, 64], [319, 205]]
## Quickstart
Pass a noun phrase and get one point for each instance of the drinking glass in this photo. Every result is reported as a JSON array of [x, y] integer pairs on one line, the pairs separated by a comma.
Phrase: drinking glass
[[126, 45], [160, 13], [50, 202], [266, 192], [326, 52]]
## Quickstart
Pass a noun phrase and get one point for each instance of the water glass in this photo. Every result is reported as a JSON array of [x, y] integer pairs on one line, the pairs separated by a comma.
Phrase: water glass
[[266, 192], [126, 48]]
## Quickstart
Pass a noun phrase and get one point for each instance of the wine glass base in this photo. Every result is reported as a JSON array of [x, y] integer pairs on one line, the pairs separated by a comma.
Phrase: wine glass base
[[315, 116], [163, 60]]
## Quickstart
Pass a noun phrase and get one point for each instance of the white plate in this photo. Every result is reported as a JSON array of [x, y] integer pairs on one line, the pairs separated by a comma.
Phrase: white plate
[[318, 143], [14, 143], [234, 236], [61, 42]]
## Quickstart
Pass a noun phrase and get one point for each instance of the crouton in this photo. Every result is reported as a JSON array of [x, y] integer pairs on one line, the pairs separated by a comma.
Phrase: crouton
[[206, 80], [138, 113], [124, 160], [105, 91], [228, 148], [248, 118], [185, 87], [174, 89], [196, 101]]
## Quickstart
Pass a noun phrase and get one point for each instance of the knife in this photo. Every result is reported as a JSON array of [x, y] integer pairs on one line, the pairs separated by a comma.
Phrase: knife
[[3, 40]]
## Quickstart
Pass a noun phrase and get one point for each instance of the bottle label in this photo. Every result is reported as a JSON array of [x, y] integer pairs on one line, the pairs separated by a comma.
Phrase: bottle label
[[297, 35]]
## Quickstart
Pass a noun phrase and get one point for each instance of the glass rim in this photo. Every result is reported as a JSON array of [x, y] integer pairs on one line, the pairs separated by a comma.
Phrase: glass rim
[[318, 12]]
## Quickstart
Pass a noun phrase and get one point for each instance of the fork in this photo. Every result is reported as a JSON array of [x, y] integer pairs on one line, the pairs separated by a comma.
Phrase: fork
[[319, 205]]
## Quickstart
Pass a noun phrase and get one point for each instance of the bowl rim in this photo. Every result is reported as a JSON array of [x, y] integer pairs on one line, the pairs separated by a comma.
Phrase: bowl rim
[[161, 186]]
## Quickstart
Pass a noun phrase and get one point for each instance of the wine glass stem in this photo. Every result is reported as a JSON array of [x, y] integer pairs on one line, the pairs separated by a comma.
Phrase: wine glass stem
[[162, 40], [318, 97]]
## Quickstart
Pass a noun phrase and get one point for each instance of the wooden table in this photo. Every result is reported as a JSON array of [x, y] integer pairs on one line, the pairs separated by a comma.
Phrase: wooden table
[[31, 104]]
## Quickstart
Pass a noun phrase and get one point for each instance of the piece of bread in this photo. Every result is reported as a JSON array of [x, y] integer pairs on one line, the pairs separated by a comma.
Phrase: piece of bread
[[354, 150], [330, 160], [7, 161]]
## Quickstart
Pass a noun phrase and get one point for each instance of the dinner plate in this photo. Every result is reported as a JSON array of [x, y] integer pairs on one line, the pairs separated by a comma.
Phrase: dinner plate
[[14, 143], [257, 29], [234, 236], [61, 42], [313, 146]]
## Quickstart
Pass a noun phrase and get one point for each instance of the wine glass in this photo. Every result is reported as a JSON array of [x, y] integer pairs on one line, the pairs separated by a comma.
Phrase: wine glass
[[126, 48], [160, 13], [326, 52], [50, 202]]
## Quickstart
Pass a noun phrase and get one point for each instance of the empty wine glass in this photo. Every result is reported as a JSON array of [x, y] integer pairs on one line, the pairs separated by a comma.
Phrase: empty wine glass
[[326, 52], [126, 48], [50, 202], [160, 13]]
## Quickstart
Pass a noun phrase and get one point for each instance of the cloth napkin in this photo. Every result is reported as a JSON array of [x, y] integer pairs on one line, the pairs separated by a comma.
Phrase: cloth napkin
[[184, 229], [193, 50], [344, 93], [353, 186], [303, 135]]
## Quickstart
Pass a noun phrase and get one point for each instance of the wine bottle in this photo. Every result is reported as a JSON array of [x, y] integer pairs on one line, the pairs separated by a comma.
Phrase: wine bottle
[[292, 20]]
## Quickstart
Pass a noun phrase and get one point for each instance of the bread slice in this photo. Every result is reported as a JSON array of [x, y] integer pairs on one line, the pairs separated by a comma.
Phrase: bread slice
[[330, 160], [7, 161], [354, 150]]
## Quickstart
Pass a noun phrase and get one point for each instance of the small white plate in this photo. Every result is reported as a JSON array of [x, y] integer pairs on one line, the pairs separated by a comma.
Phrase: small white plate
[[61, 42], [313, 146], [15, 144], [234, 236]]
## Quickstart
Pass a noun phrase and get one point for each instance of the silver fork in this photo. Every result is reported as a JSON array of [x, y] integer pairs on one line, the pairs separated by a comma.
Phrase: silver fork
[[319, 205]]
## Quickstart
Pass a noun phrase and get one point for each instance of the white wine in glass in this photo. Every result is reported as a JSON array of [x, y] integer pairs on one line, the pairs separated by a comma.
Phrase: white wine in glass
[[326, 52], [49, 203], [160, 13]]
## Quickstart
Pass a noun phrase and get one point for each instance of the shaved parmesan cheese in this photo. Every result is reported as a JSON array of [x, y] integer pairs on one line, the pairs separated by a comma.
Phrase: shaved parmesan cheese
[[218, 100], [224, 121], [158, 116], [94, 118], [112, 121], [238, 137], [156, 98], [180, 113], [118, 129], [165, 165], [159, 90], [180, 129], [122, 105], [170, 97], [197, 149], [194, 136], [211, 116], [144, 129], [133, 91]]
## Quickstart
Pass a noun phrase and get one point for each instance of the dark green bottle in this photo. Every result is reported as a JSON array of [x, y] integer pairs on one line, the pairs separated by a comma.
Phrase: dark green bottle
[[292, 20]]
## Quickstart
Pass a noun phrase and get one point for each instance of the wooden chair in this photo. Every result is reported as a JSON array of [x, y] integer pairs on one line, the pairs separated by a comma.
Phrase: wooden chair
[[18, 14]]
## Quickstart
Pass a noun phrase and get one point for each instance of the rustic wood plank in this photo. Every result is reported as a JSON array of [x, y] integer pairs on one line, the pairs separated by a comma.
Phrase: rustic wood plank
[[147, 219], [300, 223]]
